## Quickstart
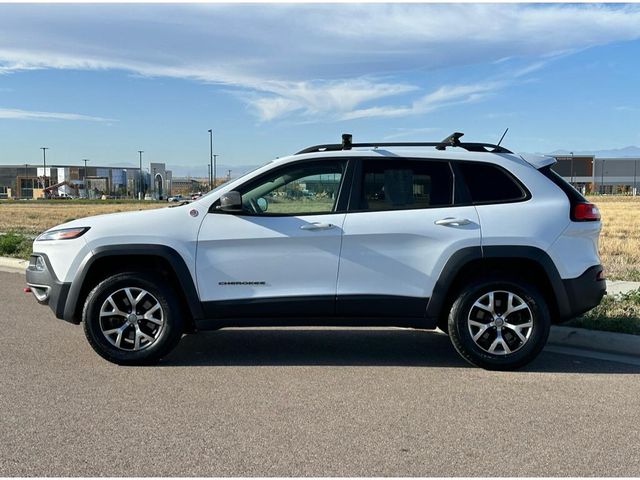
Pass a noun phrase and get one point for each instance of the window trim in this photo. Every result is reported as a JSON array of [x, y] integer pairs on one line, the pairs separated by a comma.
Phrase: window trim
[[466, 194], [356, 190], [338, 207]]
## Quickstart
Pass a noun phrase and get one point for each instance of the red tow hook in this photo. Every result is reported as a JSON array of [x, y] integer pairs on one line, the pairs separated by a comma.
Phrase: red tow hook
[[26, 289]]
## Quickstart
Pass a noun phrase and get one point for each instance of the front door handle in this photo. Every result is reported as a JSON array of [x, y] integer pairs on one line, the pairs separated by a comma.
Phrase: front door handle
[[317, 226], [456, 222]]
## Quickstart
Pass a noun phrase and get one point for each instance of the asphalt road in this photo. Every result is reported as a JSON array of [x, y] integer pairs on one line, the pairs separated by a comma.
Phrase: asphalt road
[[278, 402]]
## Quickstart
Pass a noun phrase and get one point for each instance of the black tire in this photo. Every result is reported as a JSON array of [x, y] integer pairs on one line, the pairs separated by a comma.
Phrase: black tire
[[476, 353], [166, 337]]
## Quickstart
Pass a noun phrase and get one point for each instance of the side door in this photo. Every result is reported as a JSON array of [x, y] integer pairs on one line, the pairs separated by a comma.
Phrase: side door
[[401, 228], [280, 255]]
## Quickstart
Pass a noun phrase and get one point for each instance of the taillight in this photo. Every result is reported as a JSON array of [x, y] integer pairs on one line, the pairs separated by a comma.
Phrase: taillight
[[585, 212]]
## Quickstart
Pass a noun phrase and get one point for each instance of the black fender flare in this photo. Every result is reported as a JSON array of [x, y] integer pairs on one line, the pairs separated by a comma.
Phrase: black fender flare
[[466, 255], [174, 259]]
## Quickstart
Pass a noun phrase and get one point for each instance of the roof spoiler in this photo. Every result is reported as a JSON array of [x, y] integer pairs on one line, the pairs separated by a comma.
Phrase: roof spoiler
[[538, 161]]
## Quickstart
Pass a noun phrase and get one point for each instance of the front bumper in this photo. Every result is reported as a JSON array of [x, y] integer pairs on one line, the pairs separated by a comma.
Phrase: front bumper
[[45, 286], [585, 292]]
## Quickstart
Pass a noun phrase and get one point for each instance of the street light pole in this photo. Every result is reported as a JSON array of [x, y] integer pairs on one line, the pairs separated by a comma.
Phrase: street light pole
[[140, 194], [602, 177], [44, 162], [572, 168], [84, 180], [212, 170]]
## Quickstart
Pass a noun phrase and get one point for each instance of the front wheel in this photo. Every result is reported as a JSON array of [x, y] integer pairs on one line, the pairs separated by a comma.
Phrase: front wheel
[[129, 319], [499, 324]]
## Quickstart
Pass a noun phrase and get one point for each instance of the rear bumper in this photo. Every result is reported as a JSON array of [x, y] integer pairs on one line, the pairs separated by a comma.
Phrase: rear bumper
[[46, 287], [584, 292]]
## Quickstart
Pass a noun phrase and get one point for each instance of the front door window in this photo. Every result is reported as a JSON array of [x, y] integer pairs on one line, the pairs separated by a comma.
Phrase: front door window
[[301, 189]]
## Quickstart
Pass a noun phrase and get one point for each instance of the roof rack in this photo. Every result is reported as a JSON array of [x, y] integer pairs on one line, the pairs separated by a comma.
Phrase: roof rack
[[452, 140]]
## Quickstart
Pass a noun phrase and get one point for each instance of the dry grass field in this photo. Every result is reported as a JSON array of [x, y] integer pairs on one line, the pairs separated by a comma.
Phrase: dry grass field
[[35, 217], [620, 237], [619, 242]]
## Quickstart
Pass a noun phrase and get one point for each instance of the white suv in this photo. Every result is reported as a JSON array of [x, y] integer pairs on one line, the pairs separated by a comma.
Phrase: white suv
[[489, 246]]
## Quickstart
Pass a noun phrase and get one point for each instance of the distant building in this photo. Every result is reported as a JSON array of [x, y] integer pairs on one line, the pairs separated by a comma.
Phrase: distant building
[[187, 185], [161, 181], [591, 174], [31, 182]]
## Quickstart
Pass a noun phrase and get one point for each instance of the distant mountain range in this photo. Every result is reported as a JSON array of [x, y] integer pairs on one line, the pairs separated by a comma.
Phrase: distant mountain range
[[631, 151], [202, 171]]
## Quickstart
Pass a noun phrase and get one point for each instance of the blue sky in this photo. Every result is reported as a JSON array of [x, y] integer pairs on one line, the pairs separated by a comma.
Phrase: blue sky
[[103, 81]]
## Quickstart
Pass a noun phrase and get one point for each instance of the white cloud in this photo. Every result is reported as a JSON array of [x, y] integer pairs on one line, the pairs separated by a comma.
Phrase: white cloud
[[335, 61], [446, 95], [14, 113], [321, 97]]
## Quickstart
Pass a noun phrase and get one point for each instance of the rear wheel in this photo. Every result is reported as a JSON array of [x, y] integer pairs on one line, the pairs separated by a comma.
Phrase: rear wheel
[[130, 320], [499, 324]]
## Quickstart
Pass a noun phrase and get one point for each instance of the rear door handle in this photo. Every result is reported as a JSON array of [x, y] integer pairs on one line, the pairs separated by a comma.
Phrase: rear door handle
[[456, 222], [317, 226]]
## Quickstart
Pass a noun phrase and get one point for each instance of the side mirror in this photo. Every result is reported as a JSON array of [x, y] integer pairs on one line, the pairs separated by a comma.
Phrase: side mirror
[[263, 204], [231, 202]]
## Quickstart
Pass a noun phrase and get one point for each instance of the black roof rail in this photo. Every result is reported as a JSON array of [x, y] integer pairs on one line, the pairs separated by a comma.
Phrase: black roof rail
[[452, 140]]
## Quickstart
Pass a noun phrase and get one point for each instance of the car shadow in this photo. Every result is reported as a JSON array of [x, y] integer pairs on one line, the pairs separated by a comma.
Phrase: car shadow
[[350, 347]]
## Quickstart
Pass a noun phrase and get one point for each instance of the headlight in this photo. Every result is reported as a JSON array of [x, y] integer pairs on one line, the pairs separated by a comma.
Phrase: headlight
[[62, 234]]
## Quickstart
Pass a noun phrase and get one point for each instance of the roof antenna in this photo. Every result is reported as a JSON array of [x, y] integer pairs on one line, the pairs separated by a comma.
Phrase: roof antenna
[[502, 137], [347, 141]]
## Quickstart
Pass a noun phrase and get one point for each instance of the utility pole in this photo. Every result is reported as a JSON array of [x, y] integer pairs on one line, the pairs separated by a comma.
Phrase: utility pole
[[44, 162], [84, 180], [212, 170], [140, 194], [571, 168]]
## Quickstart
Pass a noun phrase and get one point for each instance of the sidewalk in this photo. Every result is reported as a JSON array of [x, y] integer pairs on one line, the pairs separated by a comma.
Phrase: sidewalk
[[615, 287], [13, 265]]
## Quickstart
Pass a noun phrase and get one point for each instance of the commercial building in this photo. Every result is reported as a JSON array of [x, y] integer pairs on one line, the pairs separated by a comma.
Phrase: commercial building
[[188, 185], [32, 182], [591, 174]]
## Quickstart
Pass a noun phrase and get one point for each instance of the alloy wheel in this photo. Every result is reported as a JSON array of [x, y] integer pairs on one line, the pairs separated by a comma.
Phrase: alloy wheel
[[132, 319], [500, 322]]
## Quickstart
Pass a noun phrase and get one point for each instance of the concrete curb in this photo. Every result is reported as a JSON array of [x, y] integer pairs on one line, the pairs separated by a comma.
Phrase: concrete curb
[[615, 287], [620, 343], [13, 265]]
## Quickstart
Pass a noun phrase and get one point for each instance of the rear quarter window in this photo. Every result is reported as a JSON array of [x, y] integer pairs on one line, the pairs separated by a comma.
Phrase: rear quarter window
[[488, 183]]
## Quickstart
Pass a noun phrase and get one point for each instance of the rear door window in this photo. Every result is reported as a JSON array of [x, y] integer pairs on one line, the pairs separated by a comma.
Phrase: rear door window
[[399, 184]]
